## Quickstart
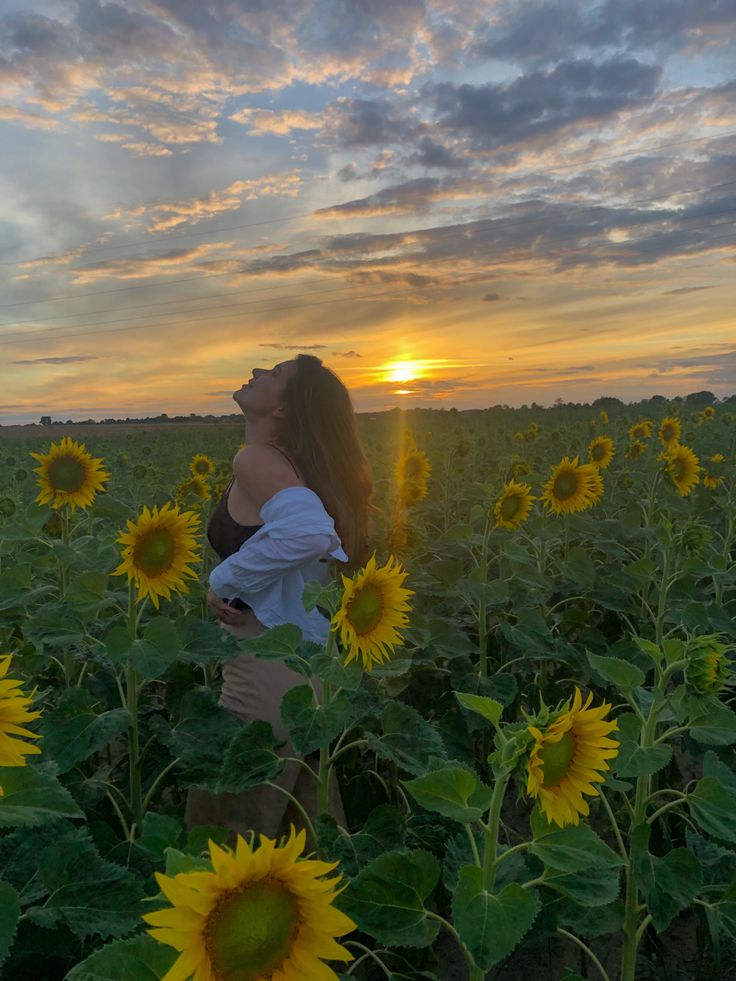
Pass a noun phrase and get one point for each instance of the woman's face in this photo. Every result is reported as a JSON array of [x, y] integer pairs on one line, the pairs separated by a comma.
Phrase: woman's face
[[264, 392]]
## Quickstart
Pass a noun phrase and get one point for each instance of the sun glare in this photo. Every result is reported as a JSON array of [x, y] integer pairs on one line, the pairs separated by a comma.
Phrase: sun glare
[[402, 371]]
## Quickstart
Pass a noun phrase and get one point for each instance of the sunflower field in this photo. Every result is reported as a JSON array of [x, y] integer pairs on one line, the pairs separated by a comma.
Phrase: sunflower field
[[525, 704]]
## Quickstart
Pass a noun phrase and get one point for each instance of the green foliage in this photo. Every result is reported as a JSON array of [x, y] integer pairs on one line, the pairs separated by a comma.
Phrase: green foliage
[[33, 797], [73, 731], [453, 791], [137, 959], [490, 925], [387, 898]]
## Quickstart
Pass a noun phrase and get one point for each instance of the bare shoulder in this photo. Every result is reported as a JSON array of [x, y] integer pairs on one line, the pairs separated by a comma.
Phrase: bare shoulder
[[262, 471]]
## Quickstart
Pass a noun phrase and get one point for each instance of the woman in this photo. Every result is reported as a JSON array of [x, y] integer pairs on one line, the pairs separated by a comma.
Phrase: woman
[[299, 501]]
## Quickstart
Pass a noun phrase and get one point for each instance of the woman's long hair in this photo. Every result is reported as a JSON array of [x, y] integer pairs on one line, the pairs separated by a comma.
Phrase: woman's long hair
[[320, 433]]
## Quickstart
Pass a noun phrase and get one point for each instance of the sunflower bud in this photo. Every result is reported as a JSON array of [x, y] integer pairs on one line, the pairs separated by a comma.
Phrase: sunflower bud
[[709, 667]]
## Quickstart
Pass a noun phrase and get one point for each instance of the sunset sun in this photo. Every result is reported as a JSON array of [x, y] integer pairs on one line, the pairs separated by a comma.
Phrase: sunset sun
[[402, 371]]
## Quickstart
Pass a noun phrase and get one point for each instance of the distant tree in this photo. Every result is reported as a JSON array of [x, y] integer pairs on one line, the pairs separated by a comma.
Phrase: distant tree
[[700, 398], [45, 420]]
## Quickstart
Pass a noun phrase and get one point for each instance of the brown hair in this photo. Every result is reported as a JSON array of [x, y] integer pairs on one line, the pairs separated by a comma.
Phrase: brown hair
[[320, 433]]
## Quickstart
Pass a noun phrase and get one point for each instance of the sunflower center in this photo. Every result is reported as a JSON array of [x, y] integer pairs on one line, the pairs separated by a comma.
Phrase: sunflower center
[[250, 933], [412, 469], [566, 484], [598, 451], [66, 474], [556, 758], [680, 468], [510, 507], [154, 552], [365, 609], [668, 433], [202, 467]]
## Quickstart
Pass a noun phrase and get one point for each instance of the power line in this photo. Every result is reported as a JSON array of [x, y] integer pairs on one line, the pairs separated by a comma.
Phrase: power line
[[620, 246], [507, 224], [307, 214]]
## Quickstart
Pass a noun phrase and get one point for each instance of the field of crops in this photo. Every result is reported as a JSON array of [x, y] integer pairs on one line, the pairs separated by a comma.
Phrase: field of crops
[[525, 704]]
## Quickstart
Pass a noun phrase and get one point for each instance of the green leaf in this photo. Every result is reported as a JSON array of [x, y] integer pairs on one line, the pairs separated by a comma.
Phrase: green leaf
[[32, 797], [642, 570], [453, 791], [613, 669], [158, 648], [487, 707], [200, 737], [406, 739], [717, 728], [73, 731], [158, 832], [668, 884], [9, 913], [574, 849], [275, 643], [87, 590], [596, 886], [712, 806], [384, 830], [138, 959], [312, 726], [386, 899], [490, 926], [86, 893], [328, 667], [250, 759], [634, 761]]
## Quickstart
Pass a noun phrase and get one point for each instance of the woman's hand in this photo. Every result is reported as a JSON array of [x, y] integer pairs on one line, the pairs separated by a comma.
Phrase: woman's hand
[[226, 614]]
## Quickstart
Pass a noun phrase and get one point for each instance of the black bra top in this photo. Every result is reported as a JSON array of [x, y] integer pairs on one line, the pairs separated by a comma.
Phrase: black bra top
[[223, 533]]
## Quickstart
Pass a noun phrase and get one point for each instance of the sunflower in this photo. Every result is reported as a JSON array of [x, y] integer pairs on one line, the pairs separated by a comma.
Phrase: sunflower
[[572, 487], [565, 759], [259, 915], [709, 667], [412, 491], [519, 437], [603, 417], [159, 549], [713, 475], [683, 468], [600, 451], [201, 465], [520, 469], [13, 712], [373, 606], [68, 475], [197, 486], [533, 428], [670, 431], [513, 506], [709, 412], [635, 450], [641, 430], [413, 465]]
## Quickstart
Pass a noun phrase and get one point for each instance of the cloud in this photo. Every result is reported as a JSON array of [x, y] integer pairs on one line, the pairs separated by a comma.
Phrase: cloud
[[543, 102], [540, 30], [346, 354], [292, 347], [492, 297], [165, 215], [263, 122], [70, 359], [682, 290], [31, 120]]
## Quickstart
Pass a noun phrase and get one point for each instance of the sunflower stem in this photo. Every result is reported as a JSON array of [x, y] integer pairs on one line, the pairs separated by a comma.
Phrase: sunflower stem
[[325, 763], [631, 927], [482, 616], [490, 846], [69, 664], [132, 682]]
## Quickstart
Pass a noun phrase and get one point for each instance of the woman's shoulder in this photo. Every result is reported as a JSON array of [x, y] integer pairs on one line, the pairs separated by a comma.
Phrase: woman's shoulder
[[261, 472]]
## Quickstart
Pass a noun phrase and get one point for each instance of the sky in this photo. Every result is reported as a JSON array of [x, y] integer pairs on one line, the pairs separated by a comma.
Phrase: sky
[[452, 204]]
